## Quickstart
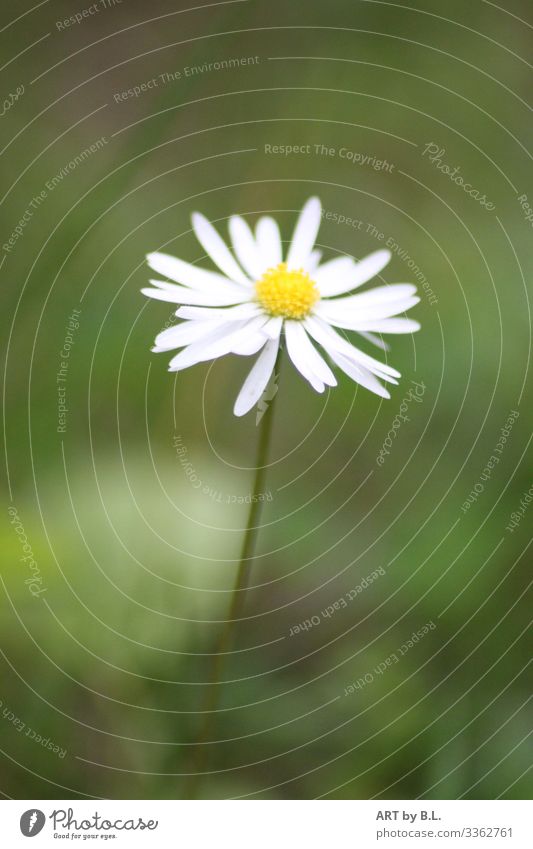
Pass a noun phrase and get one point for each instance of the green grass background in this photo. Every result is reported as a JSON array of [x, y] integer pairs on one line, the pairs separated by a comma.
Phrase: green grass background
[[110, 662]]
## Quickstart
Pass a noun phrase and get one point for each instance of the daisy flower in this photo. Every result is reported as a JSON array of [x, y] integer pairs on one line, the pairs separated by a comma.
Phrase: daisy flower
[[257, 297]]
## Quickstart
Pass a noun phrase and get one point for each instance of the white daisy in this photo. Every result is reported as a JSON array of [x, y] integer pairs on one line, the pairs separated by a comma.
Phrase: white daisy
[[257, 297]]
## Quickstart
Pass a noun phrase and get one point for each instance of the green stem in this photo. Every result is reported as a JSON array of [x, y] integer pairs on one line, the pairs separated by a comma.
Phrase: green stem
[[201, 750]]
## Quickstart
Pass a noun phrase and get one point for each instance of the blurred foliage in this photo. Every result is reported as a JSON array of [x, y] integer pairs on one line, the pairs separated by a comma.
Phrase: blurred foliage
[[111, 661]]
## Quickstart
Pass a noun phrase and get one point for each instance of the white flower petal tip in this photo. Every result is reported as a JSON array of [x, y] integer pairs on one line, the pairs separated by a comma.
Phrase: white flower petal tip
[[374, 340], [254, 299], [371, 265], [305, 234], [383, 255], [268, 241], [217, 250], [256, 382], [245, 247], [306, 358], [380, 258]]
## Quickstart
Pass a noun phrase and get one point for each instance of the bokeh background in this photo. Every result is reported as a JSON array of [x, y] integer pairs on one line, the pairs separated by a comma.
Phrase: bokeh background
[[131, 544]]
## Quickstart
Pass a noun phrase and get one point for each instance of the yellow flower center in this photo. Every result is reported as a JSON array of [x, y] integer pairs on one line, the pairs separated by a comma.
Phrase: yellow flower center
[[290, 294]]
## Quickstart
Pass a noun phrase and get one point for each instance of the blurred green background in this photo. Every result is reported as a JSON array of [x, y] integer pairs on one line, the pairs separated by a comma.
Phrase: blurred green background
[[108, 659]]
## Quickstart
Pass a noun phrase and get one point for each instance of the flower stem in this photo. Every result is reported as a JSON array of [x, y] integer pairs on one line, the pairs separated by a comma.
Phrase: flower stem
[[201, 750]]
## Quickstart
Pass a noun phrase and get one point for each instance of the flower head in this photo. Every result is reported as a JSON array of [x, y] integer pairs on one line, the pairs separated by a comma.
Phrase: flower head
[[257, 297]]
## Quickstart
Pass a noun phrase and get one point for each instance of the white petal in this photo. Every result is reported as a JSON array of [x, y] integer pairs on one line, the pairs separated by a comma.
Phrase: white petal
[[333, 276], [314, 260], [378, 295], [305, 234], [181, 295], [330, 340], [299, 339], [248, 310], [381, 294], [256, 382], [273, 327], [359, 374], [196, 352], [190, 275], [298, 354], [250, 346], [250, 333], [182, 334], [221, 343], [371, 265], [245, 247], [391, 325], [353, 318], [268, 242], [375, 340], [362, 272], [214, 245]]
